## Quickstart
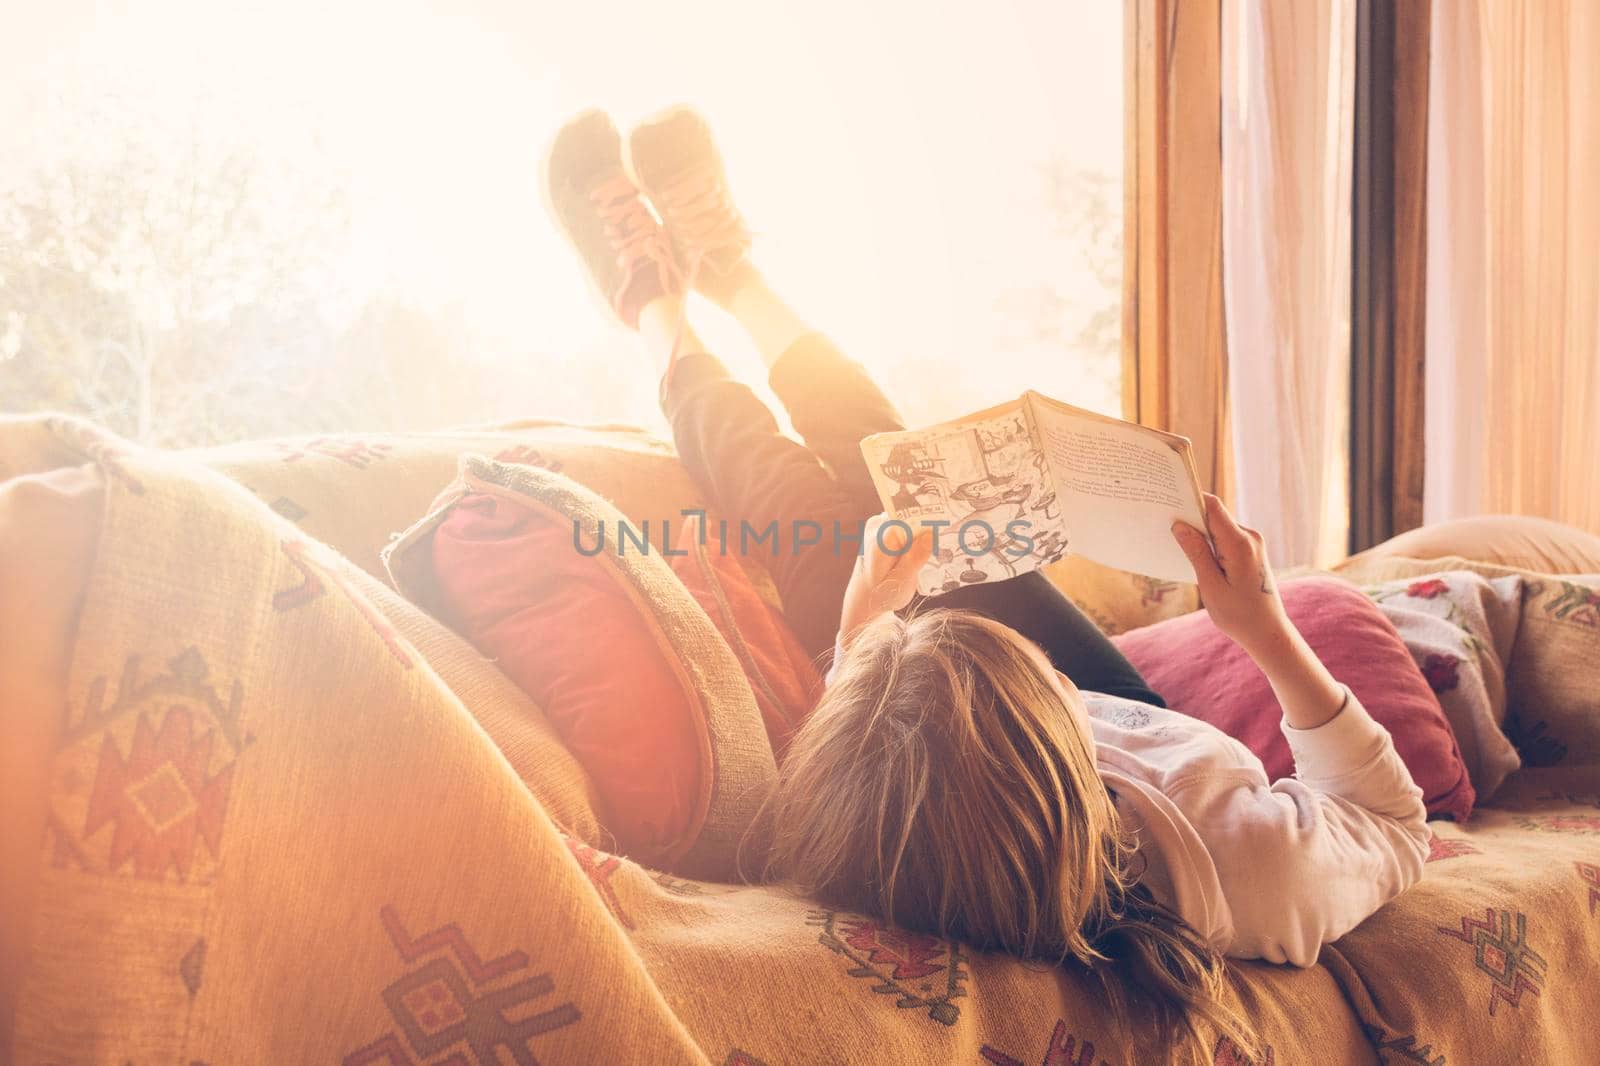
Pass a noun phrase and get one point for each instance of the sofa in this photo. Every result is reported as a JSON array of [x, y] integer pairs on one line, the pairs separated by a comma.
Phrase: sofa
[[256, 806]]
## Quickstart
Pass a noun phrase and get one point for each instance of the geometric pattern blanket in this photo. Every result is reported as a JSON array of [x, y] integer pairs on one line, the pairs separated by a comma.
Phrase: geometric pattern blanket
[[283, 817]]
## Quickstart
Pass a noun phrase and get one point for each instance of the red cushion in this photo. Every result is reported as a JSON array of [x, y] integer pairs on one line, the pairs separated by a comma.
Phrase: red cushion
[[564, 627], [1202, 673]]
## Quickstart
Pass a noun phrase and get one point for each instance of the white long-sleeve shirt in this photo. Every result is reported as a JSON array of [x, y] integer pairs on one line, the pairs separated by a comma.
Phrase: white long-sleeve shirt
[[1270, 871]]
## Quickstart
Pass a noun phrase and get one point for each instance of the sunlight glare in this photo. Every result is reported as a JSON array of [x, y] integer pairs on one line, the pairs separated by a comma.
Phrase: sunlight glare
[[889, 156]]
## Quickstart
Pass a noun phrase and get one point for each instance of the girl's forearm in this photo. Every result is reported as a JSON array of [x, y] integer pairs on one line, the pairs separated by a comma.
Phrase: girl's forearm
[[1306, 691]]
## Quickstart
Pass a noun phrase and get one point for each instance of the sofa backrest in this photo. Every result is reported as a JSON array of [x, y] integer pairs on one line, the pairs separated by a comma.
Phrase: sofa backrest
[[354, 492]]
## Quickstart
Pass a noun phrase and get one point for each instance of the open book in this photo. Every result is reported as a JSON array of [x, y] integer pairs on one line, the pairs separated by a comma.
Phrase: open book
[[1017, 486]]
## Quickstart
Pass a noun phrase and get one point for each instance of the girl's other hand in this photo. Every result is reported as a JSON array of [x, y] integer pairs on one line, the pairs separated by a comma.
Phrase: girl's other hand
[[889, 564], [1236, 583], [885, 576]]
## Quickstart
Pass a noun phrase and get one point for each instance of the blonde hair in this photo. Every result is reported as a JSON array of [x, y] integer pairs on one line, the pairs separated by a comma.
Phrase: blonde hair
[[943, 785]]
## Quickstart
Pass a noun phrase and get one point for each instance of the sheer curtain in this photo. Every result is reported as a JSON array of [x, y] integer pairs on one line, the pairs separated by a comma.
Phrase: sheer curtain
[[1513, 407], [1288, 100]]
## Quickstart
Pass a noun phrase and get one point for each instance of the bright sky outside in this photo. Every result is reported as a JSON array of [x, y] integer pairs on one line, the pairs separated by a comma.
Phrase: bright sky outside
[[889, 155]]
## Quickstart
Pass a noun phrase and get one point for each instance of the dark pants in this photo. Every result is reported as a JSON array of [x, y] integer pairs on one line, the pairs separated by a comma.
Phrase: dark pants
[[732, 446]]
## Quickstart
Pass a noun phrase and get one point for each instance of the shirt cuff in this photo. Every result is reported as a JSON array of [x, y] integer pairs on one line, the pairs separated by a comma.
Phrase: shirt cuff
[[1343, 744], [833, 664]]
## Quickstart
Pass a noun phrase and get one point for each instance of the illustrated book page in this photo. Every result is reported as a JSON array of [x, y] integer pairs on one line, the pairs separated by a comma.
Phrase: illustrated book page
[[982, 485], [1015, 487]]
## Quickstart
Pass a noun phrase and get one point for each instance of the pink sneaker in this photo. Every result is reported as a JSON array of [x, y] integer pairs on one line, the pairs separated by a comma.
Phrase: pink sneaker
[[677, 164], [626, 252]]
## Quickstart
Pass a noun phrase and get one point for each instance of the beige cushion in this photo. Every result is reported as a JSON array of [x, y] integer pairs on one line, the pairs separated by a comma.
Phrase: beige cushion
[[1554, 701], [1517, 541]]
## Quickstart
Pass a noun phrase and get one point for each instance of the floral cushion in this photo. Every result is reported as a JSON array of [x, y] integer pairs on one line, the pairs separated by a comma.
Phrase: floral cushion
[[1552, 700], [1459, 628]]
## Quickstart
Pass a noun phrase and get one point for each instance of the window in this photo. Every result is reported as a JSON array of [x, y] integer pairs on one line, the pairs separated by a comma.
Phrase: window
[[317, 219]]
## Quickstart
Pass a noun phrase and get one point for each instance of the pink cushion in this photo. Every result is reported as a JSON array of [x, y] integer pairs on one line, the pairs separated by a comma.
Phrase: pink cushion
[[1204, 674]]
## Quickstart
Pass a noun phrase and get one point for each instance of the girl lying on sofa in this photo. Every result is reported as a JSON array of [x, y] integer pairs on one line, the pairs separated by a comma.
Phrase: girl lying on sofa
[[987, 766]]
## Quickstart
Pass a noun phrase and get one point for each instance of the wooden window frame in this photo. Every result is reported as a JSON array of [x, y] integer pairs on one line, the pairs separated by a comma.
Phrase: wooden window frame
[[1174, 333], [1174, 330], [1388, 266]]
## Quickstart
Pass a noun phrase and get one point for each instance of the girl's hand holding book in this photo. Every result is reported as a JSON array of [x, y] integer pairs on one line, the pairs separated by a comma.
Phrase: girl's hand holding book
[[885, 577], [1236, 583]]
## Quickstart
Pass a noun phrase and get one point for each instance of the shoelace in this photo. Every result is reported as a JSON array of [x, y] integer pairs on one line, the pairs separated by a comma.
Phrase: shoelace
[[638, 239], [702, 215], [632, 231], [697, 206]]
